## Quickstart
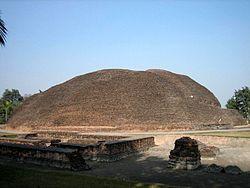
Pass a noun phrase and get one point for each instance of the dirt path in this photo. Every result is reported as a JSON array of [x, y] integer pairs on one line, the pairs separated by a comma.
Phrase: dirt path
[[151, 166], [153, 133]]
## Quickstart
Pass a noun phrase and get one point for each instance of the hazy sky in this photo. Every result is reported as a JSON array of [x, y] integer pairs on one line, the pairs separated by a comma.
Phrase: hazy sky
[[52, 41]]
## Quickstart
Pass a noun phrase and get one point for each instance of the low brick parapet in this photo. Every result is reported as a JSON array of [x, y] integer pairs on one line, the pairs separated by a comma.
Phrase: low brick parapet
[[112, 150], [50, 156]]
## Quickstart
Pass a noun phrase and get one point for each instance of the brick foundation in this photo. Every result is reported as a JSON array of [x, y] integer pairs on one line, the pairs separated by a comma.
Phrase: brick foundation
[[110, 151], [50, 156]]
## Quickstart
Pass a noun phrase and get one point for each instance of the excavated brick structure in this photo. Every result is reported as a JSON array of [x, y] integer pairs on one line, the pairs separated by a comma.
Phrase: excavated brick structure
[[50, 156], [185, 154]]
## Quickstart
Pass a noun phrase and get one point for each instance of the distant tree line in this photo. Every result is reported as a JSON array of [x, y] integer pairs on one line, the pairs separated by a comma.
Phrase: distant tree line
[[241, 102], [10, 100]]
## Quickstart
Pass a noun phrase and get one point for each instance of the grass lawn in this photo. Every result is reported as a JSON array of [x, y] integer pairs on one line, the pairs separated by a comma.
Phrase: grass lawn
[[8, 135], [17, 176], [235, 134]]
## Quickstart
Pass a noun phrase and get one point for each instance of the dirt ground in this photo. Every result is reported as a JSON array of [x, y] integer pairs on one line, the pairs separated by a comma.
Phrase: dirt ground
[[151, 166], [233, 151]]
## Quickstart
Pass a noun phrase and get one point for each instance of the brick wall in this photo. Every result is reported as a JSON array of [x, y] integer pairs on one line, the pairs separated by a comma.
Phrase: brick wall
[[50, 156], [110, 151]]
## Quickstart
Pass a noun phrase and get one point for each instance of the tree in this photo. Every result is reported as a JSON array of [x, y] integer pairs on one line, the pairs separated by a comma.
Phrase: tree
[[7, 106], [2, 112], [10, 100], [241, 102], [12, 95], [3, 33]]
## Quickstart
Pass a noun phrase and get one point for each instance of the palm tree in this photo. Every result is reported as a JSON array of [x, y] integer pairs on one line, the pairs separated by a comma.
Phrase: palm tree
[[7, 105], [3, 33]]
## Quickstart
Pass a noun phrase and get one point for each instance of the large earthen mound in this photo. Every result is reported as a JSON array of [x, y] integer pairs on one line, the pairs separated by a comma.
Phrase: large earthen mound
[[124, 99]]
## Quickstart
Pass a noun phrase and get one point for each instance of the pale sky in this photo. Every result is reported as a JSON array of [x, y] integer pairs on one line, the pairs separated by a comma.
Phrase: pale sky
[[52, 41]]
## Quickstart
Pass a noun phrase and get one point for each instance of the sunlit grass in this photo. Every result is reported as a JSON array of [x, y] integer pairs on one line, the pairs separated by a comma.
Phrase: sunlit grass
[[235, 134], [8, 135]]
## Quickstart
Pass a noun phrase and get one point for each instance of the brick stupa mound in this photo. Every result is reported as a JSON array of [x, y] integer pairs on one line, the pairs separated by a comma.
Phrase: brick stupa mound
[[124, 100]]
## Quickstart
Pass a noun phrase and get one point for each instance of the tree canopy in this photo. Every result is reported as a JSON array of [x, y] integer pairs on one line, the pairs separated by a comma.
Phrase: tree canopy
[[241, 102], [12, 95], [10, 100]]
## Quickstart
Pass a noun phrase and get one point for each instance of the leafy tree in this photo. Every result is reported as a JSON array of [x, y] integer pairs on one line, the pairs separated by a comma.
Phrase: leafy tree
[[2, 113], [3, 33], [7, 106], [9, 101], [241, 102], [12, 95]]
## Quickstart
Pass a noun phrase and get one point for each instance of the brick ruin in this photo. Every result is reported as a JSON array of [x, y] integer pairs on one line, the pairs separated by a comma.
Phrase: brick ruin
[[53, 157], [70, 150], [118, 100], [111, 150], [185, 155]]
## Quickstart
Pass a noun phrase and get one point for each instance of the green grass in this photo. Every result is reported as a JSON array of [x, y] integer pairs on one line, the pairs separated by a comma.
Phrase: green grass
[[235, 134], [10, 136], [26, 177]]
